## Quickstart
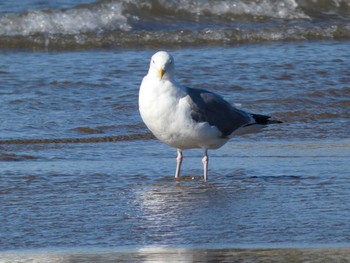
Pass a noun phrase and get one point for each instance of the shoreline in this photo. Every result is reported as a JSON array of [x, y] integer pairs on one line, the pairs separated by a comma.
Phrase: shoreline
[[160, 254]]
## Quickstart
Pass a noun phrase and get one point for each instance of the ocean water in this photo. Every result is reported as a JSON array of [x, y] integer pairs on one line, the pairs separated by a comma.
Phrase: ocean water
[[80, 174], [62, 25]]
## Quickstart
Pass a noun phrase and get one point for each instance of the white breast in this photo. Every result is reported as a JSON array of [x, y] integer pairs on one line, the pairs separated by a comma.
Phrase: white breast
[[165, 111]]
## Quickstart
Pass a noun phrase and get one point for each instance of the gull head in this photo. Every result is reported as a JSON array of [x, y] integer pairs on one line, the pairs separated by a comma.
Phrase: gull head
[[162, 65]]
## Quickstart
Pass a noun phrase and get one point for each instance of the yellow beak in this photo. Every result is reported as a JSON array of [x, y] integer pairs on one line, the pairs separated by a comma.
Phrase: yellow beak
[[161, 73]]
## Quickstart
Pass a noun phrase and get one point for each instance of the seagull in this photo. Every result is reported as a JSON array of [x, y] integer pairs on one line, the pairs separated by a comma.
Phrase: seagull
[[186, 118]]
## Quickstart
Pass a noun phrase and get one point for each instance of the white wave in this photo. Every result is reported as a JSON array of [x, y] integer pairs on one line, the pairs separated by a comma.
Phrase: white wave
[[283, 9], [71, 21]]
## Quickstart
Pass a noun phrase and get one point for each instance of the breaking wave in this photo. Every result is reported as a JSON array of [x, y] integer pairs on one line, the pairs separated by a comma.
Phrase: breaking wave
[[111, 23]]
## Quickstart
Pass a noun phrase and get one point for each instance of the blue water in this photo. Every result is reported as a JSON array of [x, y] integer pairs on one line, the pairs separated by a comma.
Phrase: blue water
[[285, 187], [66, 25]]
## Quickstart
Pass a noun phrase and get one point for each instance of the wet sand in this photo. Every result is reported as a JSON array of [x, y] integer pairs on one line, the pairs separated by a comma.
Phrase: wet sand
[[290, 255]]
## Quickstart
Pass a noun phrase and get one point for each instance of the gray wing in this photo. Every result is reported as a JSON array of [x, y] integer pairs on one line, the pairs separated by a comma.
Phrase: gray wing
[[210, 107]]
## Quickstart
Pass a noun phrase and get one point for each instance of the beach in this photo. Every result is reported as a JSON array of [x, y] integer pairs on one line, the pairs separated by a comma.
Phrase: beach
[[182, 255]]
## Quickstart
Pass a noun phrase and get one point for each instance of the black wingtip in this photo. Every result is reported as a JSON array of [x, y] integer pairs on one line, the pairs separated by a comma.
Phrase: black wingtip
[[264, 120], [274, 121]]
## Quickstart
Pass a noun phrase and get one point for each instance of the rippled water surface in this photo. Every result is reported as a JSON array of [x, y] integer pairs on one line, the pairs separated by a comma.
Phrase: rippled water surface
[[94, 93], [79, 171], [287, 186]]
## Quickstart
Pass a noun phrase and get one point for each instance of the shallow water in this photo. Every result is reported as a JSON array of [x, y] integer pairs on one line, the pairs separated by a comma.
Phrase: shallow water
[[123, 194], [287, 186], [94, 93], [82, 178]]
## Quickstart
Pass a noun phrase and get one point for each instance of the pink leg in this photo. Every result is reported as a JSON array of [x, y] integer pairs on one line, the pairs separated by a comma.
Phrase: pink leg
[[179, 162], [205, 161]]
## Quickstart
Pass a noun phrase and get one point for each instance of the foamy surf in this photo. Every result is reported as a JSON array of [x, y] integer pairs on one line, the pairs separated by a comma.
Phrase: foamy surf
[[135, 23], [95, 18]]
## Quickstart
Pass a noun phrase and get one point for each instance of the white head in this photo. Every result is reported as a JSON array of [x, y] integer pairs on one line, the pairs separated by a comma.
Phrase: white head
[[162, 65]]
